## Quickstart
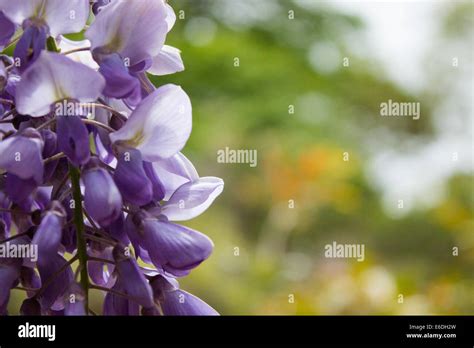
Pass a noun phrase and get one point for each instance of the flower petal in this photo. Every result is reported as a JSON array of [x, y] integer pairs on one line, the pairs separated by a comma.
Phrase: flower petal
[[131, 178], [118, 305], [73, 139], [160, 125], [18, 11], [30, 45], [84, 57], [9, 274], [48, 236], [175, 248], [175, 172], [193, 198], [168, 61], [21, 155], [61, 16], [7, 29], [119, 83], [74, 300], [54, 77], [133, 280], [170, 17], [59, 285], [158, 188], [99, 272], [180, 302], [134, 29], [102, 198], [19, 190], [174, 301], [65, 17]]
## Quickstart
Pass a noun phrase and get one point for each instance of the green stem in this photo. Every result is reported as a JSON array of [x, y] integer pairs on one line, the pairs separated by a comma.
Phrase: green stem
[[51, 45], [79, 223]]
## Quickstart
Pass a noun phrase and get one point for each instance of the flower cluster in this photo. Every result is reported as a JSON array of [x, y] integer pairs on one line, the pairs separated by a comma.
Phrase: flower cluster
[[91, 173]]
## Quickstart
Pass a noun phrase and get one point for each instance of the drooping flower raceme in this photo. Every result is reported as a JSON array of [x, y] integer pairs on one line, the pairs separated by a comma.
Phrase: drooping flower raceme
[[91, 169]]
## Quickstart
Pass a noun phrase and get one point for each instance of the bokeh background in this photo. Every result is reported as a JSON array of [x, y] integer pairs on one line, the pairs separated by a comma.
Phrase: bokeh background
[[404, 51], [292, 99]]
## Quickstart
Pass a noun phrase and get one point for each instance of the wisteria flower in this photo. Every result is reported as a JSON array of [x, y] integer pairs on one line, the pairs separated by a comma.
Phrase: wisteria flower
[[41, 19], [127, 39], [91, 168]]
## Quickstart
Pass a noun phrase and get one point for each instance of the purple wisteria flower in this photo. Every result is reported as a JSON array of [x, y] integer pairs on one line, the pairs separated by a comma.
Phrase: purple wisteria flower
[[92, 177]]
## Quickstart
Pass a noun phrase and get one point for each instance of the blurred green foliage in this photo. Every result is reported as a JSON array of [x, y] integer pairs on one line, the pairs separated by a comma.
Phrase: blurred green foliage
[[300, 158]]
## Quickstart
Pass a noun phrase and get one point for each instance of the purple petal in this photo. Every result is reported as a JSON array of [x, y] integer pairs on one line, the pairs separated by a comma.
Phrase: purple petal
[[19, 190], [175, 248], [118, 231], [180, 302], [134, 29], [30, 279], [50, 148], [73, 139], [160, 125], [174, 301], [98, 271], [102, 198], [21, 155], [74, 300], [192, 199], [30, 45], [9, 274], [7, 29], [58, 286], [54, 77], [158, 187], [133, 280], [119, 82], [132, 233], [118, 305], [168, 61], [131, 178], [42, 196], [49, 233]]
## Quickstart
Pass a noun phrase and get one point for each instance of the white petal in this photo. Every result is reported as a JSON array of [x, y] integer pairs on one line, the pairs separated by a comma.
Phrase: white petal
[[62, 17], [170, 17], [53, 77], [168, 61], [19, 10], [160, 125], [134, 29], [84, 57], [192, 199], [175, 172]]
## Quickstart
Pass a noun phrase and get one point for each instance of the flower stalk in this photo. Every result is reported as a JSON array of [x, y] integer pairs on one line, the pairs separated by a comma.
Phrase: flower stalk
[[79, 224]]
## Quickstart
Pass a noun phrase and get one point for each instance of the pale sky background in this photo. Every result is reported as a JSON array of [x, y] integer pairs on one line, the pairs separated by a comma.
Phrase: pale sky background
[[400, 35]]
